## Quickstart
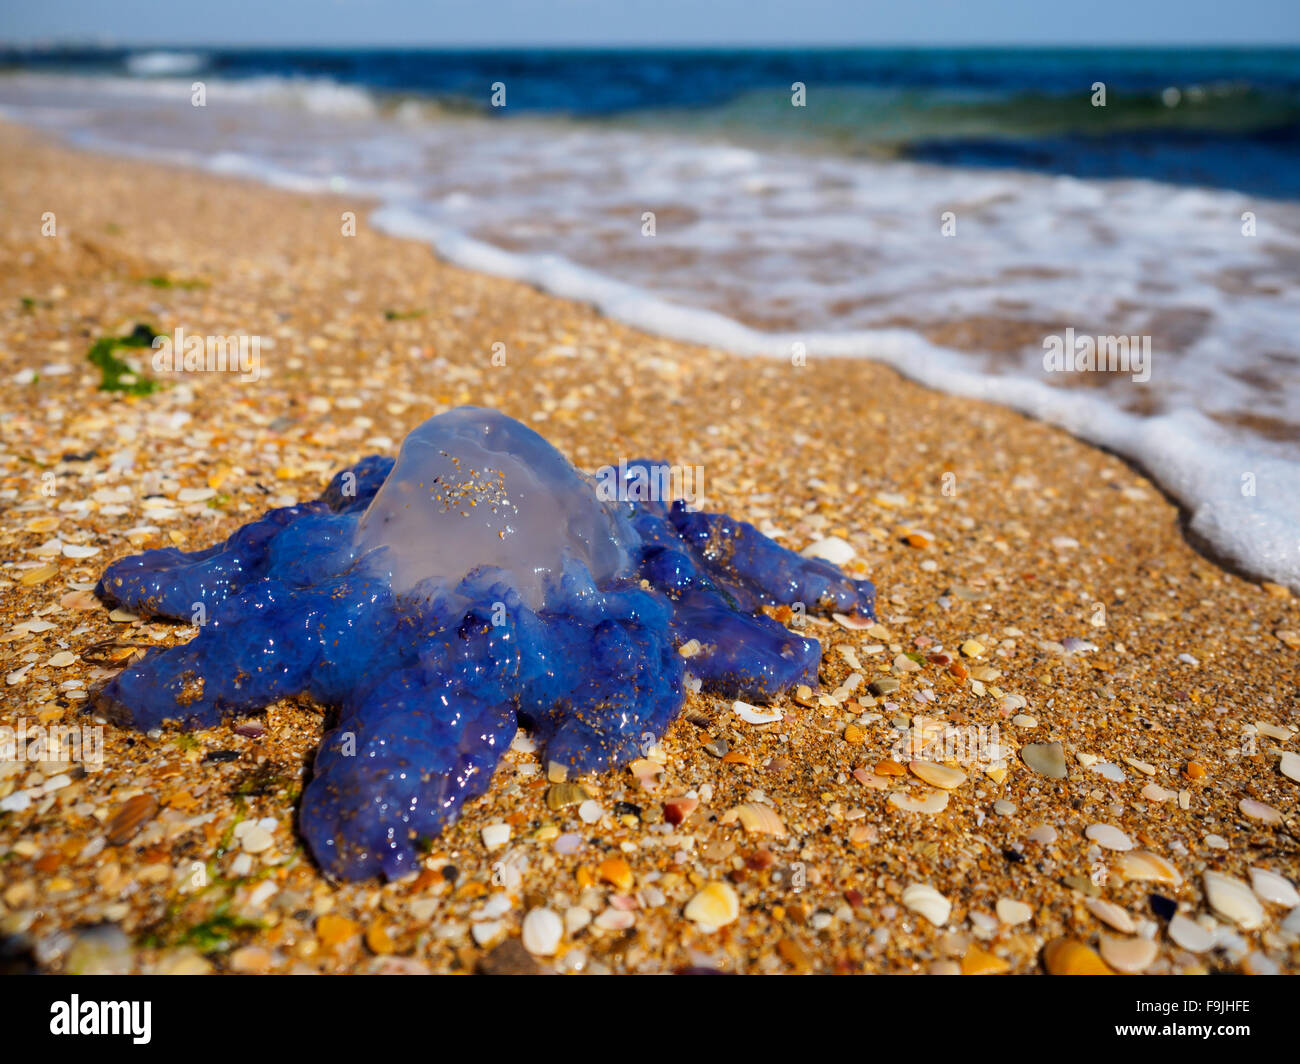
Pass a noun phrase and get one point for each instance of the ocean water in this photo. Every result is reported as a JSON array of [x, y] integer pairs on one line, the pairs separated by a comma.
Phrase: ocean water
[[946, 212]]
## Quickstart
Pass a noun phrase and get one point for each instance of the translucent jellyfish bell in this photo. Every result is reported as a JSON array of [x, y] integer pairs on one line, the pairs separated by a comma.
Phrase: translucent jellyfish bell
[[473, 488]]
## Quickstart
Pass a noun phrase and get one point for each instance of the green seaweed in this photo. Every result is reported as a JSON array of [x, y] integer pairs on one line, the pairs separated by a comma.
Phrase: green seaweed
[[220, 928], [116, 375], [402, 315], [161, 280], [217, 931], [259, 782]]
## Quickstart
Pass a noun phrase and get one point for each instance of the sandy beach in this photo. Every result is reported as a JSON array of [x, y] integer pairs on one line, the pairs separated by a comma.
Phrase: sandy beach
[[1032, 588]]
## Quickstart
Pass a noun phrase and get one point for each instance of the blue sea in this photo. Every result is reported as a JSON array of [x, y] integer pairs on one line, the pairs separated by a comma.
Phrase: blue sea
[[878, 203], [1228, 118]]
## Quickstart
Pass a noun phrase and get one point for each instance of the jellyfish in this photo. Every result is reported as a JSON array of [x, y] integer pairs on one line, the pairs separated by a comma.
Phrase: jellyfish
[[438, 602]]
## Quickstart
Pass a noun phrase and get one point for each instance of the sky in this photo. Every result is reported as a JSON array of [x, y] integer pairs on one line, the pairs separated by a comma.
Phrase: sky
[[650, 22]]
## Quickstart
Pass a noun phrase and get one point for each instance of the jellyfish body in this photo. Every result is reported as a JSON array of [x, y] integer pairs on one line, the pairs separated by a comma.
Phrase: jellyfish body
[[478, 583]]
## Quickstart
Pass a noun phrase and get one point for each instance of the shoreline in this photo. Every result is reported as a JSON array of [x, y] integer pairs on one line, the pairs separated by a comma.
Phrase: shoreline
[[1200, 458], [368, 336]]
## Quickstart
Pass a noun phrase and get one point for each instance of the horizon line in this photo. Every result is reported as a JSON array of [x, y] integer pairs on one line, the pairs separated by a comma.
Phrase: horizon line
[[99, 42]]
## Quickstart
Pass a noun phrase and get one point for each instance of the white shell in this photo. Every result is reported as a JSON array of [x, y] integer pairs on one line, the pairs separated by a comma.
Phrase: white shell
[[937, 775], [831, 549], [756, 818], [1109, 837], [496, 835], [1012, 912], [1139, 865], [1289, 763], [1131, 955], [1232, 898], [753, 715], [924, 899], [1274, 888], [1259, 811], [1190, 935], [1110, 913], [542, 932], [935, 802]]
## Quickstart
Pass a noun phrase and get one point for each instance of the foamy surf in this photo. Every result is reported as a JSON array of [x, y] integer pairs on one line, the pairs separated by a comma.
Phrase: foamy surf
[[755, 250], [1194, 460]]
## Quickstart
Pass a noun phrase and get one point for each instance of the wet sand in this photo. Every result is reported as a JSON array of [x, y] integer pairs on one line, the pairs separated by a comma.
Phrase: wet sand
[[996, 544]]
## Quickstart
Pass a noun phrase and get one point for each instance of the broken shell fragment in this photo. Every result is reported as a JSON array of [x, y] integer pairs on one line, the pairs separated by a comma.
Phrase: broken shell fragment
[[935, 802], [924, 899], [713, 907], [937, 775], [1143, 866], [756, 818]]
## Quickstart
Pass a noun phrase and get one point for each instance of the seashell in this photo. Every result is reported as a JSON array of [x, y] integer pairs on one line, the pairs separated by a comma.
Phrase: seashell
[[1108, 837], [937, 775], [647, 772], [1289, 765], [1142, 866], [924, 899], [1275, 888], [1259, 811], [1145, 767], [562, 795], [831, 549], [869, 779], [495, 835], [542, 932], [1111, 914], [1012, 912], [756, 818], [979, 961], [753, 715], [1129, 955], [1047, 759], [616, 872], [612, 919], [676, 810], [1190, 935], [576, 918], [935, 802], [863, 834], [1232, 898], [130, 817], [713, 907], [1064, 956], [853, 622]]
